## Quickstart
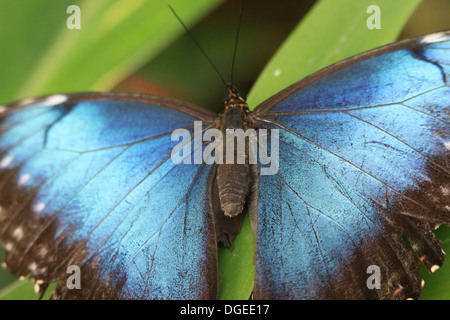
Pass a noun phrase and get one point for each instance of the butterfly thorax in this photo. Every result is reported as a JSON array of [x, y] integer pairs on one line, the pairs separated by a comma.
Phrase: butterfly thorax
[[234, 179]]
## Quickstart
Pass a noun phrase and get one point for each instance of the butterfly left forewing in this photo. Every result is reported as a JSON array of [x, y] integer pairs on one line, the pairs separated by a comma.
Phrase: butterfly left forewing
[[87, 181], [364, 161]]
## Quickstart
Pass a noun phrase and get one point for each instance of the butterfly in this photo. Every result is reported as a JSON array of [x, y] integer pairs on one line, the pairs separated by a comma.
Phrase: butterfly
[[363, 176]]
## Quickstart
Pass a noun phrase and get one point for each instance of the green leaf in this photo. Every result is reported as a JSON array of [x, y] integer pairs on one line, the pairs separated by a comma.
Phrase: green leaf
[[24, 290], [332, 30], [43, 56], [437, 284], [234, 265], [19, 290]]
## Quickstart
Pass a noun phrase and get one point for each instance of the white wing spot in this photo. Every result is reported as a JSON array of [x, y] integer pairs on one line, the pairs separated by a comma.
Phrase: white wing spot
[[24, 178], [447, 145], [434, 268], [8, 246], [3, 109], [37, 285], [39, 207], [277, 72], [445, 191], [54, 100], [435, 37], [17, 233], [32, 267], [422, 283], [6, 162]]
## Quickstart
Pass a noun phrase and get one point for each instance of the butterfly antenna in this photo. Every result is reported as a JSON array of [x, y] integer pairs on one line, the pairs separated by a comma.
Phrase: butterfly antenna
[[236, 41], [198, 45]]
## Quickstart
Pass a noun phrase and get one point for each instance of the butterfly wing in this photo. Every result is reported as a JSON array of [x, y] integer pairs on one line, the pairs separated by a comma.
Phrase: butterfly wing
[[364, 163], [87, 183]]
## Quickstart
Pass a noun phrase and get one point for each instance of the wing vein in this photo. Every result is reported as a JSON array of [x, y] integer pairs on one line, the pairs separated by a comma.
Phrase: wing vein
[[401, 141], [258, 115], [343, 159]]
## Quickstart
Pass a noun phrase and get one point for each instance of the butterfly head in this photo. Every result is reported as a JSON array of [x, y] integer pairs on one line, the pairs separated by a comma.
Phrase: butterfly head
[[235, 98]]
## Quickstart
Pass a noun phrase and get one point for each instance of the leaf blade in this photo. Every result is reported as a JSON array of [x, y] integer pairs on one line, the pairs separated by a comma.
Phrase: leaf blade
[[115, 38], [342, 32]]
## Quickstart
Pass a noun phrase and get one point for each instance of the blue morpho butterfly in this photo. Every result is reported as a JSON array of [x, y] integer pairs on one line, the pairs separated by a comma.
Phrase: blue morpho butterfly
[[364, 164]]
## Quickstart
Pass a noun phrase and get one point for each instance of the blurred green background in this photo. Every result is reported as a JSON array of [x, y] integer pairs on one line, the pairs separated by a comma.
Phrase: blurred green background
[[139, 46]]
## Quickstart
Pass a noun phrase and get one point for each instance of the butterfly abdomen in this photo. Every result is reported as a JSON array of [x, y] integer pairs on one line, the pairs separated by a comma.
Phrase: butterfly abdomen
[[233, 181], [234, 177]]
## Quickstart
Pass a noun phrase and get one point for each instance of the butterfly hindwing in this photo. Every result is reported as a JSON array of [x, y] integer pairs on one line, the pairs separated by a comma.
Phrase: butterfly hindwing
[[87, 181], [364, 163]]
